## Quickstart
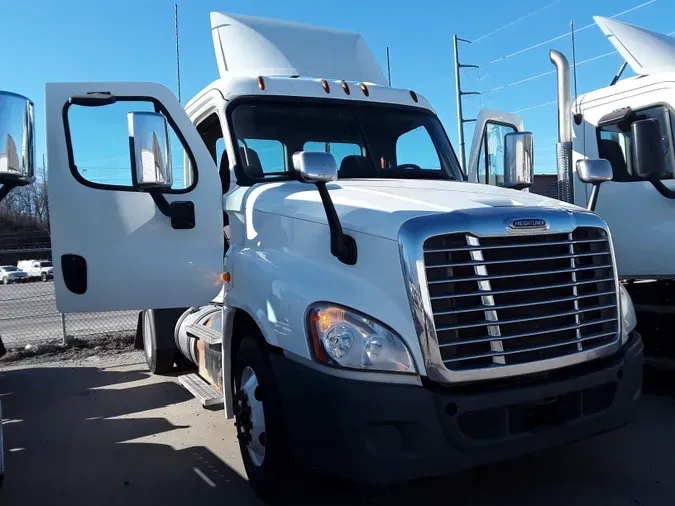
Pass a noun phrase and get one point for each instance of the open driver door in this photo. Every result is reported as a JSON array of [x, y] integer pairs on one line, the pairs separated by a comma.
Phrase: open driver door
[[129, 231]]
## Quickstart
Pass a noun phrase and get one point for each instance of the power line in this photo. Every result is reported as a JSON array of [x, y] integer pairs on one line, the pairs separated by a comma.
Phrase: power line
[[522, 18], [550, 72], [566, 34]]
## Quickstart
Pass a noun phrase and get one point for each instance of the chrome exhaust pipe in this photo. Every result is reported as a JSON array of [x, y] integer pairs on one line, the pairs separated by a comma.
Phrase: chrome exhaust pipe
[[564, 146]]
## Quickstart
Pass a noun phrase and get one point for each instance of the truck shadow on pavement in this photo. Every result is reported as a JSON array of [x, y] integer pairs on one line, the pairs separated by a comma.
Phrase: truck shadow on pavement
[[65, 446]]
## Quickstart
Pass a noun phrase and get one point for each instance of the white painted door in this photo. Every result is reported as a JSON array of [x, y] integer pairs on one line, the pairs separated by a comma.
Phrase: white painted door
[[112, 247]]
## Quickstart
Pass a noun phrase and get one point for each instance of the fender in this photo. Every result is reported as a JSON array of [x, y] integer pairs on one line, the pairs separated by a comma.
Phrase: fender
[[295, 278]]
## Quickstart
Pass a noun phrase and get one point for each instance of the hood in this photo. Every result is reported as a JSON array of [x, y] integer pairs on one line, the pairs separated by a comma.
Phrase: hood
[[645, 51], [380, 206]]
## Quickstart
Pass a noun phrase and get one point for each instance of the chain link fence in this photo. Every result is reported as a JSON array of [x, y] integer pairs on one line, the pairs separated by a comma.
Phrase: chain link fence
[[28, 312]]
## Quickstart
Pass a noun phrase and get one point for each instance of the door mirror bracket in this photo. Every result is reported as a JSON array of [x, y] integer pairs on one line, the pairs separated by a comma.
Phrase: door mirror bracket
[[320, 168], [151, 165]]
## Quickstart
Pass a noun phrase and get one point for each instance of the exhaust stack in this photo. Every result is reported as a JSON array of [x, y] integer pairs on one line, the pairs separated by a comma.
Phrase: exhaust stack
[[564, 146]]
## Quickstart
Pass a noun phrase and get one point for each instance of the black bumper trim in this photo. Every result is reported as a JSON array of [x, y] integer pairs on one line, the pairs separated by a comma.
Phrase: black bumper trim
[[380, 432]]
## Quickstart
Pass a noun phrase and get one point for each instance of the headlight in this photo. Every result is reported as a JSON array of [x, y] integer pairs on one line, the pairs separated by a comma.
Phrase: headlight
[[347, 339], [628, 317]]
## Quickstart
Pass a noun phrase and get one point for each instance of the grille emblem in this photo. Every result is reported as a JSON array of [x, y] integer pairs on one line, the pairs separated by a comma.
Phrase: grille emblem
[[528, 224]]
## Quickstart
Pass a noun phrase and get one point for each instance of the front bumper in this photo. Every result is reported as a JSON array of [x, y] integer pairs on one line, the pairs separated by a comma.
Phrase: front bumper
[[381, 432]]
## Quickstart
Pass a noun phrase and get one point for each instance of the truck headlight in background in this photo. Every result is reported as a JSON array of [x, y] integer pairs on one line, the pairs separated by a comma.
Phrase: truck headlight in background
[[628, 316], [345, 338]]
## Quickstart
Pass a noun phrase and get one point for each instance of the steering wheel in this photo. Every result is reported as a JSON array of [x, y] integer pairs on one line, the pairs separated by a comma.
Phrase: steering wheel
[[409, 166]]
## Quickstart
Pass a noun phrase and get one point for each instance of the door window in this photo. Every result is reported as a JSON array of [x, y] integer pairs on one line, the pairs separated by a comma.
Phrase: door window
[[614, 142], [100, 145], [491, 155]]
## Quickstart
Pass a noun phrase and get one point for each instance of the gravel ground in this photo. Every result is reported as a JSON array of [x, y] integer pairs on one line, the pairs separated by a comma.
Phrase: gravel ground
[[93, 427]]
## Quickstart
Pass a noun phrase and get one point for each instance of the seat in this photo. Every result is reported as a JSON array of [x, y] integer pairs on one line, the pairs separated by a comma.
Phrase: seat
[[356, 166], [251, 163], [611, 151]]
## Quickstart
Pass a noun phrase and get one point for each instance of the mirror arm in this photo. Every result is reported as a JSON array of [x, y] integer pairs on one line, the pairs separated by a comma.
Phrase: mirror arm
[[182, 213], [342, 246], [663, 189], [593, 200]]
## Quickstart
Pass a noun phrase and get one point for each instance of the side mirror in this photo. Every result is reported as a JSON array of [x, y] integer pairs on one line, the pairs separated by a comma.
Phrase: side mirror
[[17, 149], [150, 150], [518, 160], [649, 159], [315, 166], [320, 168], [595, 172]]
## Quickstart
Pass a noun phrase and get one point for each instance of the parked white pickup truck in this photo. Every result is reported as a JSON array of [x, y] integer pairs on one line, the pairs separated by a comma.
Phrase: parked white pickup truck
[[37, 269]]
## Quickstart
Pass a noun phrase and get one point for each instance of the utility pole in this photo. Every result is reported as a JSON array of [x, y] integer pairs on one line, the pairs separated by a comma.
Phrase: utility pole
[[175, 25], [388, 68], [460, 93]]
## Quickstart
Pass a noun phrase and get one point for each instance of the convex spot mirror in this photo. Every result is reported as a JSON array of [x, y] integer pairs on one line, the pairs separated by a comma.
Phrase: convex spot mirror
[[150, 150], [17, 148], [518, 160], [594, 171], [315, 166], [649, 158]]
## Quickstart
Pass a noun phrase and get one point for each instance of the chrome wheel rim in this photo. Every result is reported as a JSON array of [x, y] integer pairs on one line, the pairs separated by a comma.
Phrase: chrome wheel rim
[[257, 442]]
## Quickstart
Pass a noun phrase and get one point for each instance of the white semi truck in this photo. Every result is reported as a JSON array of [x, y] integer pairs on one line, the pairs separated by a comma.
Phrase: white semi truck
[[17, 166], [638, 208], [376, 316]]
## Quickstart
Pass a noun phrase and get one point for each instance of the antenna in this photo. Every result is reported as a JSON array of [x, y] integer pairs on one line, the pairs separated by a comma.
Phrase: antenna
[[175, 25], [388, 68]]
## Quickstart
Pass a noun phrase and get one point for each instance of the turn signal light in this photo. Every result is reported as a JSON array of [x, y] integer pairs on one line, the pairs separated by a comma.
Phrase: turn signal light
[[225, 276]]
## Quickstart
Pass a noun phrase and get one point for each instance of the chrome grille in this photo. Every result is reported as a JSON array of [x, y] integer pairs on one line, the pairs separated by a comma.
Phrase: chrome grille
[[510, 300]]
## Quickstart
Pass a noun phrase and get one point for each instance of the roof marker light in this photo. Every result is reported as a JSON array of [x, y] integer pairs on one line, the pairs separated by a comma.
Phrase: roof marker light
[[364, 89], [325, 85], [345, 87], [261, 83]]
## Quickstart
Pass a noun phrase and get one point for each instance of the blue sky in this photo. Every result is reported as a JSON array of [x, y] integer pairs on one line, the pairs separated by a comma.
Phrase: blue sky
[[125, 40]]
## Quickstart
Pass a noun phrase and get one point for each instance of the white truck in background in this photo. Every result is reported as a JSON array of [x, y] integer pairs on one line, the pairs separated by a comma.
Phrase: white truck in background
[[379, 318], [638, 207], [17, 167], [37, 269]]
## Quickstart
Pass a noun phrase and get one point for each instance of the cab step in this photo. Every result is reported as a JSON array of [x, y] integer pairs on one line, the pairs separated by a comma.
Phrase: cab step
[[207, 394]]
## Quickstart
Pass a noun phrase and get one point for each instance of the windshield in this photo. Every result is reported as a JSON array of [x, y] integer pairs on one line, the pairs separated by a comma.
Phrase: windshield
[[367, 141], [9, 268]]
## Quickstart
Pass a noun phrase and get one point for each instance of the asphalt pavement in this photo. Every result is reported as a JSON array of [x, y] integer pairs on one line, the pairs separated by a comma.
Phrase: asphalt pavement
[[103, 431], [28, 315]]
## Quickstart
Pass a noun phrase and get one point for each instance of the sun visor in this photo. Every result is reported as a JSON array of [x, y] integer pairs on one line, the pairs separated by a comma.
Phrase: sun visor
[[253, 46], [645, 51]]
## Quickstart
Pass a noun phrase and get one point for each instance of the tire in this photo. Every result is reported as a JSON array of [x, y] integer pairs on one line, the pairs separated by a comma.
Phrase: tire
[[5, 281], [158, 357], [272, 476], [44, 277]]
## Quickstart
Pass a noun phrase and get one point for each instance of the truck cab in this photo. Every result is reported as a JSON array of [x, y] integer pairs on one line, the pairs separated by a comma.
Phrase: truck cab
[[376, 316]]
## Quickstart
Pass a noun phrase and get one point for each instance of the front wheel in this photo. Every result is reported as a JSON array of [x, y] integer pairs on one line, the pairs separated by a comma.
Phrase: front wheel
[[44, 276], [5, 280], [260, 425], [159, 359]]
